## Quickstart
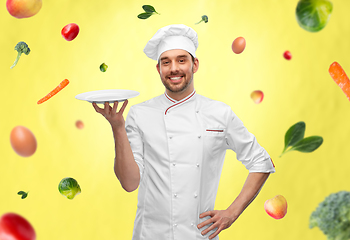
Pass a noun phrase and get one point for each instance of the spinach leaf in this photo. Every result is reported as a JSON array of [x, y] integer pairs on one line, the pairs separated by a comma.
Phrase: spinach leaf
[[149, 9], [144, 15], [308, 144], [294, 134], [24, 194], [294, 140]]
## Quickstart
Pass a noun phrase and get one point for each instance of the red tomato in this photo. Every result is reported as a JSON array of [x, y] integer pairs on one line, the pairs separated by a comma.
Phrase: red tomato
[[287, 55], [70, 31], [15, 227]]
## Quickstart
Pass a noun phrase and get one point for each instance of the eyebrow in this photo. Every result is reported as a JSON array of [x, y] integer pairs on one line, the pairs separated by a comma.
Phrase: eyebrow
[[179, 56]]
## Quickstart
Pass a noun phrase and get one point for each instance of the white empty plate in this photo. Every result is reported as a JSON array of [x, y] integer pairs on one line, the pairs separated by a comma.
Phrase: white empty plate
[[110, 95]]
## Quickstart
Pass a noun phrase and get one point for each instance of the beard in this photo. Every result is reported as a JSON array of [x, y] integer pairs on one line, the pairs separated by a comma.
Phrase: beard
[[178, 87]]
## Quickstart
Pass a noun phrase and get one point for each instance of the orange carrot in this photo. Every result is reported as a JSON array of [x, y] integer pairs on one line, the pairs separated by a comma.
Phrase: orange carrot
[[340, 78], [55, 91]]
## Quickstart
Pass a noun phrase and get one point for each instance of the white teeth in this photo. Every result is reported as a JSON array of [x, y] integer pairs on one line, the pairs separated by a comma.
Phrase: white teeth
[[175, 78]]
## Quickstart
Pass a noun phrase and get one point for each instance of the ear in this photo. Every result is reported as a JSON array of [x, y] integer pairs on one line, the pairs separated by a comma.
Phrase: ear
[[158, 69], [195, 65]]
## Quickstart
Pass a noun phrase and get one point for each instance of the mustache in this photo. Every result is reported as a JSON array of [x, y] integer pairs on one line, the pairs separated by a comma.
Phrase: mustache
[[175, 73]]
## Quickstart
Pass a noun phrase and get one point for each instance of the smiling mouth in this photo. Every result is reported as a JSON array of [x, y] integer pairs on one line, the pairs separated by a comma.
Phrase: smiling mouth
[[176, 79]]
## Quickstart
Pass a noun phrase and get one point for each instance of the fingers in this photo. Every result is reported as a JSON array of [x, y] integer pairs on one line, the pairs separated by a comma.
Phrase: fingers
[[97, 108], [206, 222], [216, 232], [115, 106], [124, 106], [107, 108], [211, 227], [208, 213]]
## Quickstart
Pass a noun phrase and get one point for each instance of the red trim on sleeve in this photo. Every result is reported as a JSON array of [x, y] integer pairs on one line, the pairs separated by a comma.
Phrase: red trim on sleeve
[[272, 162], [180, 102]]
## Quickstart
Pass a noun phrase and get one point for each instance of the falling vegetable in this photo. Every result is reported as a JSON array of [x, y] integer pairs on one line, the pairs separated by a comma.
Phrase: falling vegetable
[[149, 11], [15, 227], [103, 67], [294, 138], [24, 194], [55, 91], [332, 216], [70, 31], [204, 18], [69, 187], [313, 15], [340, 78], [287, 55], [20, 47]]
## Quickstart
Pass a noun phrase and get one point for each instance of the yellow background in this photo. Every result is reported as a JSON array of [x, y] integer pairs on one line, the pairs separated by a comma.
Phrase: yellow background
[[297, 90]]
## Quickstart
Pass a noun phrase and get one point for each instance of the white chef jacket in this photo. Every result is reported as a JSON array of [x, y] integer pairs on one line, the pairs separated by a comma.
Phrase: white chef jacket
[[180, 148]]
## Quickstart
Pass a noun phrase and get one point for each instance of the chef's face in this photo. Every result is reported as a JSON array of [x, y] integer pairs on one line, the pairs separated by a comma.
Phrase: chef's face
[[176, 68]]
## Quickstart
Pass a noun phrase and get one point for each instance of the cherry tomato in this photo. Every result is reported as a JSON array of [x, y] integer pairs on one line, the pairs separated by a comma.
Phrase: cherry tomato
[[15, 227], [287, 55], [70, 31]]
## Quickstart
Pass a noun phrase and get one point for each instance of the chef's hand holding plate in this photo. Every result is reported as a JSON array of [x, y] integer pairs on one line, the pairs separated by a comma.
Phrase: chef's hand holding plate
[[115, 118]]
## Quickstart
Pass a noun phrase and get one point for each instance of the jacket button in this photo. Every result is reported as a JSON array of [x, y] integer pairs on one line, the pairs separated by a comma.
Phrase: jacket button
[[170, 137], [197, 164], [195, 195], [175, 225], [175, 195], [174, 164], [199, 136]]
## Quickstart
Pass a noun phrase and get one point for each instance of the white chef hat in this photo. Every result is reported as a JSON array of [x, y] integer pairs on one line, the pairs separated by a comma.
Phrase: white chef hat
[[176, 36]]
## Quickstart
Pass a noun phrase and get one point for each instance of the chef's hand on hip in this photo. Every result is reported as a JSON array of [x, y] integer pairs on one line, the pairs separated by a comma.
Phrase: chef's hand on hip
[[115, 118], [220, 219]]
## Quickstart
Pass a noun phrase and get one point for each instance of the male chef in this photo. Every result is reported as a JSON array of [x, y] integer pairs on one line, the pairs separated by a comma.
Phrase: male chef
[[172, 147]]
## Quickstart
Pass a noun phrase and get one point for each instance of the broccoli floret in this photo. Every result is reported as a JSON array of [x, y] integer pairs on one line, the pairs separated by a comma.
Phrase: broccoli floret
[[21, 47], [332, 216], [204, 18]]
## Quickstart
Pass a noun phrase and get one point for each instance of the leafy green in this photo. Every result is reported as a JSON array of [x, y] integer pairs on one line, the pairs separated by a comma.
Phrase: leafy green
[[149, 11], [332, 216], [313, 15], [308, 144], [294, 139], [24, 194], [69, 187], [294, 134], [144, 15], [204, 18]]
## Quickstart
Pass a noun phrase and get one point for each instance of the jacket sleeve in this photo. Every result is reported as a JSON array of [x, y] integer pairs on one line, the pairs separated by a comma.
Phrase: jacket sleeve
[[247, 149], [135, 139]]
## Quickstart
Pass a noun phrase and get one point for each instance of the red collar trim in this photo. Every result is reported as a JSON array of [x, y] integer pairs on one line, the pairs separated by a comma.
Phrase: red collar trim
[[169, 98], [180, 101]]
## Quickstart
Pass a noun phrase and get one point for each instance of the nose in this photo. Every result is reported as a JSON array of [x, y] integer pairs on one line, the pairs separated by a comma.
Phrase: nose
[[174, 67]]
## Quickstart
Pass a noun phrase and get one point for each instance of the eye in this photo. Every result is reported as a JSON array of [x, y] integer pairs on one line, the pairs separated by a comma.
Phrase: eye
[[182, 60], [165, 62]]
